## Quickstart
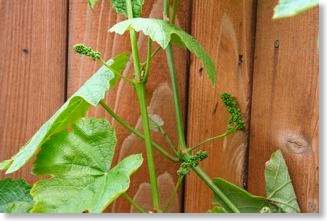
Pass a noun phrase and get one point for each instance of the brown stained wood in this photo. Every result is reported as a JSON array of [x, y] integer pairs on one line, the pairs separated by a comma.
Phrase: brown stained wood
[[285, 112], [226, 30], [90, 27], [32, 70]]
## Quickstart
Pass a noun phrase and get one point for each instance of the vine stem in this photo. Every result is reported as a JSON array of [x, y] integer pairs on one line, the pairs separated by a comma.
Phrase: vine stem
[[136, 132], [181, 136], [173, 194], [140, 92], [207, 141], [133, 203]]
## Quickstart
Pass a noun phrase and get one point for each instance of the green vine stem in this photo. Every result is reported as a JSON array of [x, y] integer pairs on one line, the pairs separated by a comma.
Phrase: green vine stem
[[133, 203], [140, 92], [181, 136], [207, 141], [136, 132], [173, 194]]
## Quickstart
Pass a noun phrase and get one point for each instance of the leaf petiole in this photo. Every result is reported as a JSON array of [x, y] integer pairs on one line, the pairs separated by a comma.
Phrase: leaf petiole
[[115, 72], [136, 132], [173, 194], [133, 203], [208, 140]]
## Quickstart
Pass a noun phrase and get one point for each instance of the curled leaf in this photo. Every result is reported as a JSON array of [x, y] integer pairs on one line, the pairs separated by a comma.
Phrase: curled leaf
[[279, 186], [90, 94], [163, 33]]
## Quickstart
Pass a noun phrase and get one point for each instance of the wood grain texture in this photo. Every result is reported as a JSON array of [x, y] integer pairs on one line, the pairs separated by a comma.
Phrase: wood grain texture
[[285, 112], [226, 30], [90, 27], [32, 70]]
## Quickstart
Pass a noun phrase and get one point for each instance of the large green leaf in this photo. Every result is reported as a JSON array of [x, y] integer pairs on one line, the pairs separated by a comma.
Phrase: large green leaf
[[287, 8], [244, 201], [79, 164], [120, 7], [163, 33], [15, 196], [90, 94], [279, 186]]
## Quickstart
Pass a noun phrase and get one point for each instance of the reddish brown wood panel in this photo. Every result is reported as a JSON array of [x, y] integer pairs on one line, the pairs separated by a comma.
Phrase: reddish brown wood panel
[[226, 29], [285, 111], [90, 27], [32, 70]]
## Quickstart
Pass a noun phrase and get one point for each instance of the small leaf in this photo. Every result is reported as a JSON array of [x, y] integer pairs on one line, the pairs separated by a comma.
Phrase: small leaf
[[79, 165], [15, 196], [287, 8], [217, 209], [279, 187], [90, 94], [92, 3], [163, 33], [120, 7], [243, 200], [156, 122]]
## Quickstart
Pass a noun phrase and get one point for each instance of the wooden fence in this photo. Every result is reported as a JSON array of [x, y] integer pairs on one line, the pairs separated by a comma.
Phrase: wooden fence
[[270, 66]]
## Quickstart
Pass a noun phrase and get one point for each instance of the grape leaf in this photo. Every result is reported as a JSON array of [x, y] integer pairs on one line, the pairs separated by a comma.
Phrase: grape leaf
[[163, 33], [279, 188], [90, 94], [243, 200], [287, 8], [120, 7], [15, 196], [79, 164]]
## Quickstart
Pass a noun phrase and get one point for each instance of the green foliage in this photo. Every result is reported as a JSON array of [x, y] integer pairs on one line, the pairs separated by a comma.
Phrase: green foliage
[[192, 162], [279, 186], [87, 51], [79, 165], [120, 7], [244, 201], [90, 94], [92, 3], [279, 190], [235, 122], [287, 8], [216, 209], [163, 33], [15, 196]]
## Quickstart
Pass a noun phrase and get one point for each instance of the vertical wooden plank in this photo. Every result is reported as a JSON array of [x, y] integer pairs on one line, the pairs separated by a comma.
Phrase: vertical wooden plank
[[226, 29], [32, 70], [90, 27], [285, 111]]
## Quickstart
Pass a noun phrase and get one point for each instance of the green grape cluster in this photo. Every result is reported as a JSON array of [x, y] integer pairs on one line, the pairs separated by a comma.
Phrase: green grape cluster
[[87, 51], [192, 162], [235, 122]]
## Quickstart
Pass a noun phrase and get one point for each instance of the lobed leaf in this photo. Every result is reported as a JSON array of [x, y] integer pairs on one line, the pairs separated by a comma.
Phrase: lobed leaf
[[243, 200], [120, 7], [90, 94], [163, 33], [279, 186], [15, 196], [79, 164], [287, 8]]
